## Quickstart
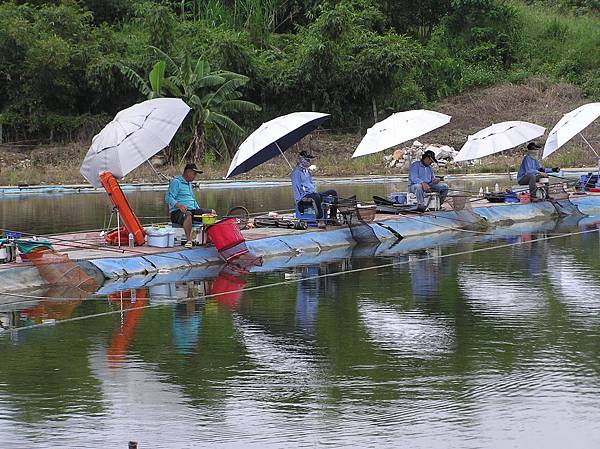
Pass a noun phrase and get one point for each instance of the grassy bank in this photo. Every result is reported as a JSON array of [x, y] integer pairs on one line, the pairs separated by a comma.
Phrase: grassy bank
[[535, 100]]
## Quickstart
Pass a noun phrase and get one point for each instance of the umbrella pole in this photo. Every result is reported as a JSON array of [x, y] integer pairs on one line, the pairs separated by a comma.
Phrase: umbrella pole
[[595, 152], [288, 162], [119, 228], [160, 175], [588, 144]]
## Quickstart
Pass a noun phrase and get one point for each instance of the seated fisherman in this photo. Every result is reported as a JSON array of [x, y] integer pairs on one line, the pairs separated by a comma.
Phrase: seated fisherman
[[421, 179], [531, 171], [303, 187], [182, 202]]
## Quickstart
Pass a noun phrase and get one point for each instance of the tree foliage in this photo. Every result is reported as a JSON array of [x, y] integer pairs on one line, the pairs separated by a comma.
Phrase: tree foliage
[[213, 96], [61, 62]]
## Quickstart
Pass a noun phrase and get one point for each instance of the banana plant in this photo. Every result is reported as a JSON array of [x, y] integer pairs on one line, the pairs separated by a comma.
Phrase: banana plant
[[213, 95]]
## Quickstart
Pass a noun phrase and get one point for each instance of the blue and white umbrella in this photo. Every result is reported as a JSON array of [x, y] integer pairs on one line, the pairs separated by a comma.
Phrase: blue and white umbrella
[[272, 139]]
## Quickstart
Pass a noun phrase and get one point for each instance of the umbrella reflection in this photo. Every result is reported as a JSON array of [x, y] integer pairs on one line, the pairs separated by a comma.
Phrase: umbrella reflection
[[44, 312]]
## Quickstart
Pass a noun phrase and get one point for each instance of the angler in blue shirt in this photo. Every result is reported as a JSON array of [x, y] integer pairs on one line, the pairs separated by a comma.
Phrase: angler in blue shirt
[[531, 171], [303, 187], [421, 179], [182, 202]]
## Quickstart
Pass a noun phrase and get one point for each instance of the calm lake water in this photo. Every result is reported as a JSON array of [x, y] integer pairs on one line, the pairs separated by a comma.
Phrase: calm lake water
[[399, 346], [54, 213]]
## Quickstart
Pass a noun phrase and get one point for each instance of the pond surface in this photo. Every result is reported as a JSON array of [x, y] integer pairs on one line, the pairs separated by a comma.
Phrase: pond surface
[[459, 341], [56, 213]]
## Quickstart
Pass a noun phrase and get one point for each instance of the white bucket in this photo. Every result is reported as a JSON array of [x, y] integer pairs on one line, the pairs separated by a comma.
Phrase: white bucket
[[171, 233], [157, 238]]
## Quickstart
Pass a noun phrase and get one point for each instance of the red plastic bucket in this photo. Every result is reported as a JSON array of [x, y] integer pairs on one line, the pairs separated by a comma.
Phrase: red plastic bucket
[[225, 234], [227, 238]]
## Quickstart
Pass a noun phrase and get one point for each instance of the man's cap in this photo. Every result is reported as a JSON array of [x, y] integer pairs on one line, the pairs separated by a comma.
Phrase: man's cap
[[306, 154], [192, 167], [533, 146], [429, 153]]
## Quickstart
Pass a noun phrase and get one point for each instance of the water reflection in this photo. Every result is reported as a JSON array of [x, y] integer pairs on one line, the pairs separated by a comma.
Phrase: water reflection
[[425, 267], [282, 354], [228, 288], [307, 299], [187, 318], [131, 305], [406, 333]]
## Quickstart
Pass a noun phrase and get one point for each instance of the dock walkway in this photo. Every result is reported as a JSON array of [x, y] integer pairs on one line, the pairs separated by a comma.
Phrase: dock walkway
[[106, 262]]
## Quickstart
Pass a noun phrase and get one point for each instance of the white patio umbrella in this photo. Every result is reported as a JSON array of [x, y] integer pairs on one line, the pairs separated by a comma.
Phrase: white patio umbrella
[[399, 128], [273, 138], [498, 137], [571, 124], [132, 137]]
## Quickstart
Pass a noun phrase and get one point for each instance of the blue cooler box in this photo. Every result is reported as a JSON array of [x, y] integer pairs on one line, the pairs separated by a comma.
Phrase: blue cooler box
[[398, 197]]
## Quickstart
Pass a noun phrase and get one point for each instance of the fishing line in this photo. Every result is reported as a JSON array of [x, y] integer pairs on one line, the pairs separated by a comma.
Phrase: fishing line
[[309, 278]]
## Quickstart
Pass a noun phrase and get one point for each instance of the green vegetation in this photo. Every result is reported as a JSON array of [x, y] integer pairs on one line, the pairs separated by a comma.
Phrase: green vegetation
[[211, 95], [67, 66]]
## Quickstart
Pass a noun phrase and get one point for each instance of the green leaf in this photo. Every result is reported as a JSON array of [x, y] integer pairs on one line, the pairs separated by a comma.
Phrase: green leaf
[[135, 79], [202, 68], [194, 102], [210, 81], [227, 123], [239, 106], [172, 88], [157, 75]]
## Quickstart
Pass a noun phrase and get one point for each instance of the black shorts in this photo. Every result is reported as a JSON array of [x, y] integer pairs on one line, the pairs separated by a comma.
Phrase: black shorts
[[178, 217]]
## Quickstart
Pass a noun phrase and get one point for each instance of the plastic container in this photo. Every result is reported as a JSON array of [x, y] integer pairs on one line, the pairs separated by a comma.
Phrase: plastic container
[[209, 219], [398, 197], [227, 238], [199, 235], [13, 235], [157, 238], [8, 251], [171, 234]]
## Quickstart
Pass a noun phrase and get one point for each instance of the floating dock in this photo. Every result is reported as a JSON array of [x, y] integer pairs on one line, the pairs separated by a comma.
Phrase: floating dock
[[102, 262]]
